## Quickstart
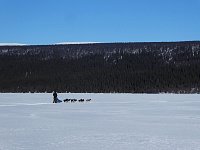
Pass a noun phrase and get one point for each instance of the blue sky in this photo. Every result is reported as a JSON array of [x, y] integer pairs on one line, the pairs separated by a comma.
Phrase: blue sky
[[53, 21]]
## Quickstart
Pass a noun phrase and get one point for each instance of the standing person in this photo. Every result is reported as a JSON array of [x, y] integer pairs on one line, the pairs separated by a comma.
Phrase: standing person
[[55, 97]]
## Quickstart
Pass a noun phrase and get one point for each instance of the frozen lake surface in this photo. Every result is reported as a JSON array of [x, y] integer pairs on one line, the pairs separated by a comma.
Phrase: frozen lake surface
[[108, 122]]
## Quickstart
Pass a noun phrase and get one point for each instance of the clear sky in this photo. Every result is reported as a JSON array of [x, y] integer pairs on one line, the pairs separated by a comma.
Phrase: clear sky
[[53, 21]]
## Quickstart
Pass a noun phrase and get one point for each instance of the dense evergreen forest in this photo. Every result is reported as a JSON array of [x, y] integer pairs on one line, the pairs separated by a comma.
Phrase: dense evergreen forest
[[102, 67]]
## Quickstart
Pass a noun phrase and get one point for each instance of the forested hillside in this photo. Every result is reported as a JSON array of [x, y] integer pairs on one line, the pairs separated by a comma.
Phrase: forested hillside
[[102, 67]]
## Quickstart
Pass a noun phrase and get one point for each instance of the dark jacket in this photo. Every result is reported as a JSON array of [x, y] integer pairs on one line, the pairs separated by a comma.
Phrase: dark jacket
[[55, 97]]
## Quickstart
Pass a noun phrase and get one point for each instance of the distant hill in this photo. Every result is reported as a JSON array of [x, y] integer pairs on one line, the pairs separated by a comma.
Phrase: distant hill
[[149, 67]]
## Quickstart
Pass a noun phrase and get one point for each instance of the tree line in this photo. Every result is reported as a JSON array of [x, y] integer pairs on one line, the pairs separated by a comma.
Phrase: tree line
[[144, 72]]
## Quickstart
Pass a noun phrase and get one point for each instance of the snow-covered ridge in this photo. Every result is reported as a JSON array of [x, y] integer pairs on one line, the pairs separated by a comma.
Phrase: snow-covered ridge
[[12, 44], [61, 43], [68, 43]]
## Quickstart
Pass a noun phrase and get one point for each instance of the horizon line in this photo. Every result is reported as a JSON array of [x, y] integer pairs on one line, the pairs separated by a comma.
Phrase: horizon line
[[80, 43]]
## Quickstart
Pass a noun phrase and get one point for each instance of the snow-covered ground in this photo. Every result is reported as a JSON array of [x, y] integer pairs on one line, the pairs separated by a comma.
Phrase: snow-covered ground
[[108, 122]]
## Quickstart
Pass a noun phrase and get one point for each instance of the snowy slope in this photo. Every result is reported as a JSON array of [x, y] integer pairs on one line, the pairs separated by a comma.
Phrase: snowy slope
[[109, 122], [168, 51]]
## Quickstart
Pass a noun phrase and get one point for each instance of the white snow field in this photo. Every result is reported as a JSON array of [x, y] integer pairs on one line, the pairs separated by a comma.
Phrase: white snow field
[[108, 122]]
